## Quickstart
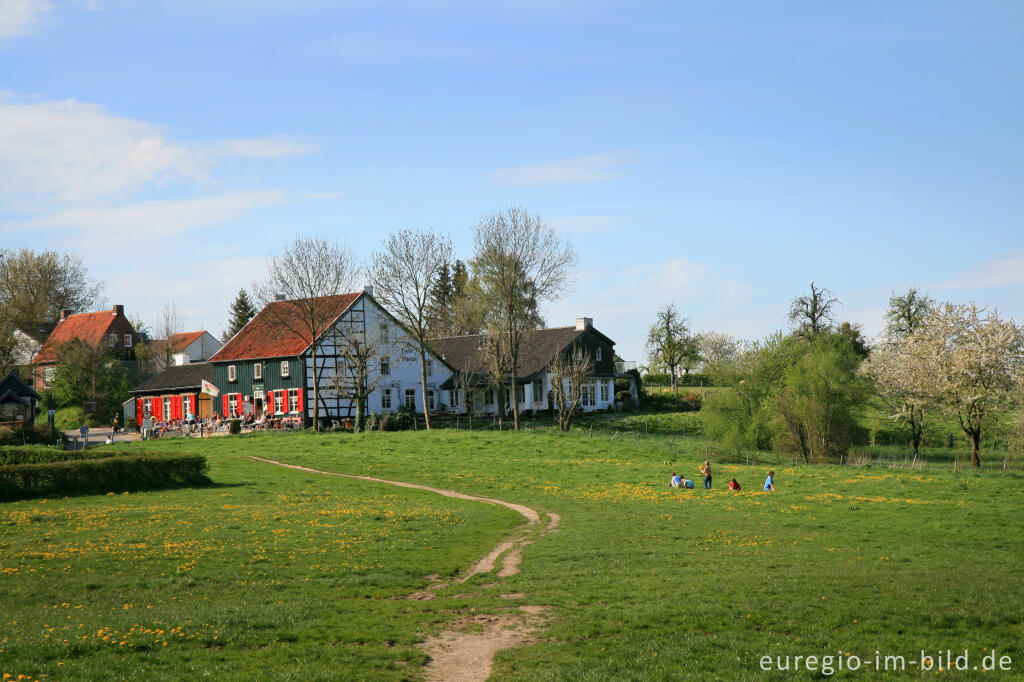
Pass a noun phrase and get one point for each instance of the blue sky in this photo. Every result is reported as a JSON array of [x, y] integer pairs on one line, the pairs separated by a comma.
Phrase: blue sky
[[716, 155]]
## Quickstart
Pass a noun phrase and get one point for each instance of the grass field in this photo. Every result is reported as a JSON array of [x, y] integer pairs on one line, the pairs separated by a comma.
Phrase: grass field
[[283, 574]]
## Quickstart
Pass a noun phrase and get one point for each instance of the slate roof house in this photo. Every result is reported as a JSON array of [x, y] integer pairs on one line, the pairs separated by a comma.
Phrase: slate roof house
[[108, 329], [268, 368], [29, 339], [540, 347], [174, 393], [17, 402]]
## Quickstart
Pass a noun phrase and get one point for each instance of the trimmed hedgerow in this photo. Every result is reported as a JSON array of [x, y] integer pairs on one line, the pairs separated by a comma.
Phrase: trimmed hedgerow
[[100, 475], [46, 455]]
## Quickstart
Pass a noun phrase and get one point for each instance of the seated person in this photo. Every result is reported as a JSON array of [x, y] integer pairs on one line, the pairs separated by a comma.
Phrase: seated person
[[675, 481], [733, 485], [687, 483]]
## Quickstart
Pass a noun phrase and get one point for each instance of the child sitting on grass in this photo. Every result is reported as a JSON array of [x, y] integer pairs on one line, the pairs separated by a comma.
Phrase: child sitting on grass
[[733, 485]]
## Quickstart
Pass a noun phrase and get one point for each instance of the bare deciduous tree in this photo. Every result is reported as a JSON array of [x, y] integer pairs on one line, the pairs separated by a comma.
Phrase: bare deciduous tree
[[310, 273], [568, 372], [812, 314], [906, 313], [403, 275], [358, 372], [669, 341], [169, 323], [518, 263]]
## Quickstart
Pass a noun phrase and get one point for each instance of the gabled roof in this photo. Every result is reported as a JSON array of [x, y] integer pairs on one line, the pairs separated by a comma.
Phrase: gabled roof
[[267, 337], [468, 354], [179, 342], [88, 327], [177, 377], [13, 383]]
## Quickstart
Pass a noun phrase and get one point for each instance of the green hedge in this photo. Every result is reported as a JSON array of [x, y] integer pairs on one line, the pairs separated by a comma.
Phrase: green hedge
[[100, 475], [44, 455]]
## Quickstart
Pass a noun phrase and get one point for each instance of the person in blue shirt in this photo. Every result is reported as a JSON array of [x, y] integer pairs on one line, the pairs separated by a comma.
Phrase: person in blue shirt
[[675, 482], [769, 483]]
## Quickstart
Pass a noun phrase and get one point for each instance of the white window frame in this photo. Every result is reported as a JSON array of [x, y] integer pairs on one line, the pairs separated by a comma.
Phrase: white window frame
[[587, 394], [293, 400], [385, 365], [232, 373], [186, 405], [286, 369], [385, 398], [604, 391], [597, 354], [165, 405], [127, 340], [49, 375], [538, 391], [257, 370], [431, 399], [112, 340], [410, 399], [278, 402]]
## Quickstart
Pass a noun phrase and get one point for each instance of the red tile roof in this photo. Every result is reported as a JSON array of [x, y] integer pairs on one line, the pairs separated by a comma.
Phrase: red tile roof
[[267, 337], [179, 342], [89, 327]]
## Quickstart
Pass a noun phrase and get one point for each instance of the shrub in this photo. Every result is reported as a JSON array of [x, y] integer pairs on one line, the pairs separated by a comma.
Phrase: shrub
[[372, 422], [398, 421], [99, 474], [28, 435], [235, 426], [690, 403]]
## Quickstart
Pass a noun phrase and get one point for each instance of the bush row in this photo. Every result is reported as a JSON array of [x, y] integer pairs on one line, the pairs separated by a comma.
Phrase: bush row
[[99, 475], [46, 455]]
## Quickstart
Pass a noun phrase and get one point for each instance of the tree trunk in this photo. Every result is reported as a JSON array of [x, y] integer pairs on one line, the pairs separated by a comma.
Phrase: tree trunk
[[976, 447], [316, 391], [423, 386]]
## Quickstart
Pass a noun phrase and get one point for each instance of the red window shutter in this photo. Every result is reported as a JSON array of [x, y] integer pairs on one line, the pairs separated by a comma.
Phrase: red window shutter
[[301, 405], [224, 405], [268, 403], [139, 411]]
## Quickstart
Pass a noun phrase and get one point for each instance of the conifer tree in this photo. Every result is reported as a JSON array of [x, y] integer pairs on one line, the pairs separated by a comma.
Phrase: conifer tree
[[242, 310]]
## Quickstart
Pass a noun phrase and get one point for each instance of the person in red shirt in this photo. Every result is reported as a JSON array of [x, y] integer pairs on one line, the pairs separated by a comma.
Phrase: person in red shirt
[[733, 485]]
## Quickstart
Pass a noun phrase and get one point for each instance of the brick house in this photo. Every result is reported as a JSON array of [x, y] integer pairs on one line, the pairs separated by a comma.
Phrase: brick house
[[107, 329]]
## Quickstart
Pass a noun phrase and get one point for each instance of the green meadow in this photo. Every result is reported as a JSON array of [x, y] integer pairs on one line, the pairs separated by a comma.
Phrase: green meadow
[[274, 573]]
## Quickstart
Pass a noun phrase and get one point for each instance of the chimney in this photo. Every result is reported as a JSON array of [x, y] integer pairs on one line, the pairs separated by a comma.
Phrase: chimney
[[118, 310], [368, 290], [63, 315], [584, 323]]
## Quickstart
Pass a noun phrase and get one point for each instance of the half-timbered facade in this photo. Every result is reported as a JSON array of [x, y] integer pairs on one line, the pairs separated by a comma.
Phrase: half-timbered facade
[[269, 368]]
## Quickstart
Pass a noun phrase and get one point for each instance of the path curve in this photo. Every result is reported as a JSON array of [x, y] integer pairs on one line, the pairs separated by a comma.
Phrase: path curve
[[458, 655]]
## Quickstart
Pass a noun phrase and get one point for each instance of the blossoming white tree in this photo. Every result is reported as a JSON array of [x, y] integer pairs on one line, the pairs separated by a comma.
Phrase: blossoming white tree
[[966, 359]]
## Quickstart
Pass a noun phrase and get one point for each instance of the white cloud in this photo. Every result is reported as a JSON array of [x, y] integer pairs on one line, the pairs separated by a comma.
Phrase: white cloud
[[592, 168], [75, 152], [158, 219], [588, 224], [1004, 272], [265, 147], [19, 17]]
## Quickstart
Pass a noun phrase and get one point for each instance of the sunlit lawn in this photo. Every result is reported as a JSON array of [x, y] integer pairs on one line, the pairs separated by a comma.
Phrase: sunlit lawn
[[645, 582]]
